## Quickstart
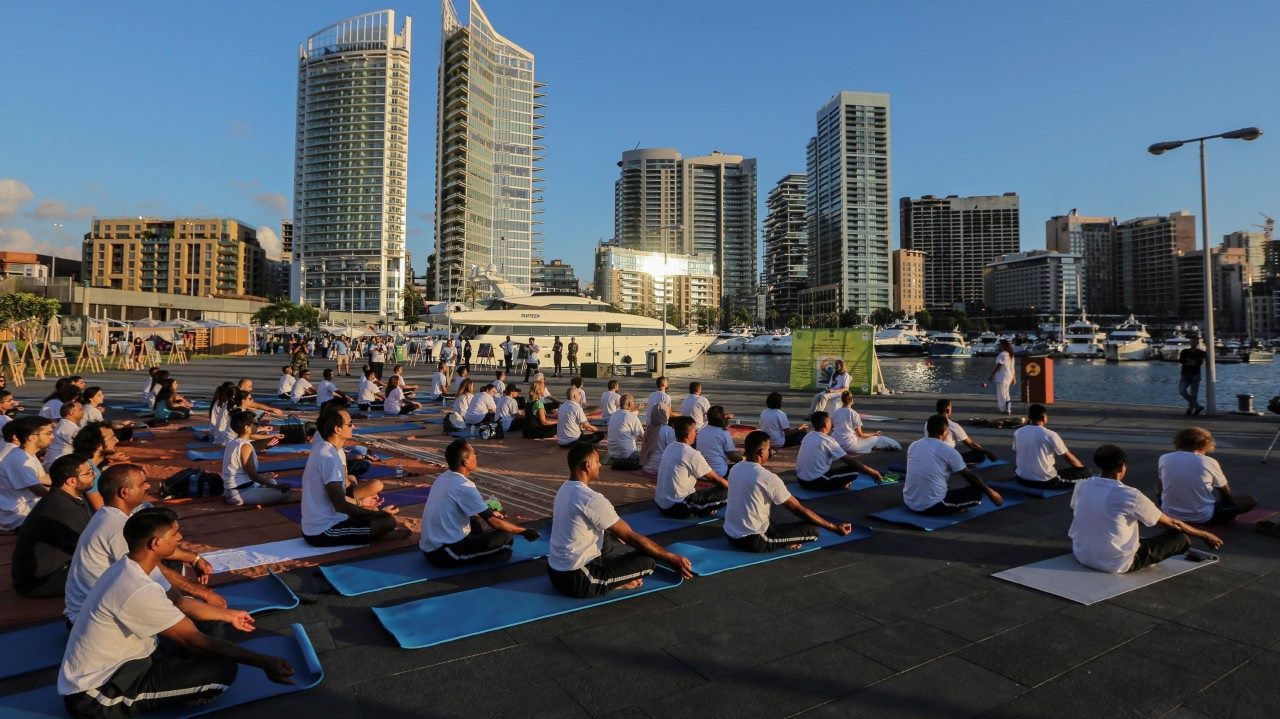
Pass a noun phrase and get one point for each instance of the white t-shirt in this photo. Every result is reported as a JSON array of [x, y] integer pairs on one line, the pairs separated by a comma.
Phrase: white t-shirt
[[666, 437], [678, 474], [955, 433], [461, 403], [394, 401], [300, 388], [499, 386], [1104, 530], [609, 403], [1036, 448], [817, 452], [481, 404], [625, 433], [1187, 481], [569, 421], [5, 419], [580, 516], [219, 419], [101, 545], [378, 354], [753, 491], [930, 464], [122, 616], [286, 384], [658, 397], [326, 464], [91, 414], [506, 410], [18, 472], [233, 470], [1004, 369], [533, 350], [368, 393], [64, 433], [438, 384], [696, 406], [324, 391], [845, 423], [451, 503], [839, 383], [774, 423], [52, 409], [716, 444]]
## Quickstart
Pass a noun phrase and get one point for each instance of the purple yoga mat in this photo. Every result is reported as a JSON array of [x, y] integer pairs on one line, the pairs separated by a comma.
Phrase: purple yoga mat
[[399, 497]]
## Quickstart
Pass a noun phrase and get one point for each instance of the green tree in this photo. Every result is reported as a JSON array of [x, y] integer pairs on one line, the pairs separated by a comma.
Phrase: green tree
[[883, 316], [27, 307], [794, 320], [284, 312], [742, 316], [412, 305], [673, 315], [923, 318], [708, 316]]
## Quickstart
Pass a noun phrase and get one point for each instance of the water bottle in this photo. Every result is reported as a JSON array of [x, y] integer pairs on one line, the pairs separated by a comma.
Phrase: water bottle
[[493, 503], [399, 469]]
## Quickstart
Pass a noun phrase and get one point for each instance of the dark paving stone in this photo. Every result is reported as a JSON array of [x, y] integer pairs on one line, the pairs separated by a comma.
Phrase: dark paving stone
[[778, 688], [904, 644], [339, 702], [1243, 615], [1268, 583], [914, 596], [984, 615], [944, 688], [1185, 713], [356, 664], [634, 609], [1249, 552], [1183, 593], [543, 700], [1250, 691], [1209, 654]]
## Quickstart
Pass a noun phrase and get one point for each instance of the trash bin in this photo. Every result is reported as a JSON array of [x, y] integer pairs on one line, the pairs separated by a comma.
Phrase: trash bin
[[1037, 380], [651, 361]]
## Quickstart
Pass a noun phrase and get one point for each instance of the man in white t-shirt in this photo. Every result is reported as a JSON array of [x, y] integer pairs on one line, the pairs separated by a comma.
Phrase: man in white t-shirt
[[112, 665], [500, 382], [484, 406], [610, 400], [368, 397], [285, 388], [327, 392], [509, 415], [626, 433], [1193, 487], [819, 451], [584, 559], [1106, 515], [571, 422], [679, 471], [303, 390], [973, 453], [659, 398], [462, 374], [23, 480], [715, 443], [753, 492], [455, 518], [696, 406], [330, 517], [64, 432], [1037, 448], [835, 387], [774, 422], [930, 464], [439, 384]]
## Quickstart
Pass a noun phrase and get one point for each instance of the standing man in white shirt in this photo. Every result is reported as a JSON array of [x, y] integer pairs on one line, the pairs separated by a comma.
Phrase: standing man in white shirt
[[508, 348], [378, 358], [679, 471], [455, 518], [531, 358], [23, 480], [818, 451], [585, 560], [1193, 487], [974, 452], [610, 400], [1104, 528], [329, 517], [303, 390], [64, 432], [715, 443], [659, 398], [1037, 448], [753, 492], [571, 422], [930, 464], [695, 405]]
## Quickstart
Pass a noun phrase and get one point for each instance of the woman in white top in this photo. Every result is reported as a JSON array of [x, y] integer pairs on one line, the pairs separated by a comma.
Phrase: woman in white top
[[839, 383], [454, 421], [1193, 487], [626, 435], [220, 413], [847, 430], [774, 422], [93, 400], [657, 435], [1002, 377], [242, 483], [395, 404]]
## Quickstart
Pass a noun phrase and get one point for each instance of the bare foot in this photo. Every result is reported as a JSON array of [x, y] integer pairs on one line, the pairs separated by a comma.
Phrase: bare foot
[[399, 532], [634, 584], [794, 546], [847, 485]]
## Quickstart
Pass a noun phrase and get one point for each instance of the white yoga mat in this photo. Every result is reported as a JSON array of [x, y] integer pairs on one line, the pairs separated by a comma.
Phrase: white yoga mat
[[1067, 578], [256, 555]]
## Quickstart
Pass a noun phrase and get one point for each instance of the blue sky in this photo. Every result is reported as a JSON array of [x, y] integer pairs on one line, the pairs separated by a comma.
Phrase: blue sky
[[179, 108]]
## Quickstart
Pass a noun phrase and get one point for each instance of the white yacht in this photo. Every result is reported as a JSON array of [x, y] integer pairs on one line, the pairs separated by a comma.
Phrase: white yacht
[[901, 338], [1173, 345], [772, 343], [732, 341], [948, 344], [1084, 339], [1129, 341], [987, 345]]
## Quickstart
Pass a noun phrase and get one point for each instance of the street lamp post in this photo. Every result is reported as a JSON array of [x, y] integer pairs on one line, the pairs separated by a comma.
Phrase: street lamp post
[[1159, 148]]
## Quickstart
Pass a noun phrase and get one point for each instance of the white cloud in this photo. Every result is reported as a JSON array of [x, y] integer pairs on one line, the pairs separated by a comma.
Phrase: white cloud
[[50, 210], [273, 201], [13, 195], [270, 241], [16, 239]]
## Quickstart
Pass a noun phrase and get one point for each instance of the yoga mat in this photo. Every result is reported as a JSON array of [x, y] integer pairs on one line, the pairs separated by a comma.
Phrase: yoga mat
[[876, 418], [377, 471], [1015, 486], [984, 464], [251, 684], [217, 452], [1065, 577], [397, 570], [444, 618], [256, 555], [259, 595], [715, 555], [902, 515], [860, 483], [399, 497], [282, 465], [379, 429]]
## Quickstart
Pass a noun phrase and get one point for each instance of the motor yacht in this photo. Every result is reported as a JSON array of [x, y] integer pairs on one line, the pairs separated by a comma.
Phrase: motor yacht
[[1084, 339], [732, 341], [900, 339], [987, 345], [1128, 342], [948, 344]]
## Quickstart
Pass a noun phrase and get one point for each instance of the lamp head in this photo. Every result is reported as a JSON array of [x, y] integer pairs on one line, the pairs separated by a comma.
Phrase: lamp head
[[1162, 147], [1244, 133]]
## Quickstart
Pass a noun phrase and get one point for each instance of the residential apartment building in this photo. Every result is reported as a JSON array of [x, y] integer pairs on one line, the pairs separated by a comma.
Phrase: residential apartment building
[[488, 156], [1230, 278], [286, 239], [908, 281], [645, 282], [847, 206], [554, 276], [1254, 245], [1146, 263], [960, 236], [1042, 280], [351, 166], [786, 249], [199, 256], [1093, 238]]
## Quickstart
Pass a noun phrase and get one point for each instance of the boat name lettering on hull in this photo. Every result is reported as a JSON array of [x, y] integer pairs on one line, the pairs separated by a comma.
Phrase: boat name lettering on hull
[[530, 316]]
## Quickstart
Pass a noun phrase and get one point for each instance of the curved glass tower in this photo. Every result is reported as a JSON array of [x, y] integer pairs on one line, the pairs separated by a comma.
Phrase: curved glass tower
[[351, 166]]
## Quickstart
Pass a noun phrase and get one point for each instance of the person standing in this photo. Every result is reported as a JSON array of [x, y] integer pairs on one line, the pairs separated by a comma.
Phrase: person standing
[[507, 348], [573, 355], [1191, 360], [342, 353], [531, 351], [1002, 377], [378, 359], [466, 354], [557, 356]]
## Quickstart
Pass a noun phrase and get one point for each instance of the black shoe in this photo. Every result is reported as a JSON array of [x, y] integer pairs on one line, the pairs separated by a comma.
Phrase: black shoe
[[1190, 410], [1199, 410]]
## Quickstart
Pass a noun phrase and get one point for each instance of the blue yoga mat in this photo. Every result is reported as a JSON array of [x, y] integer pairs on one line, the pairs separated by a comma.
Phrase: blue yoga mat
[[377, 471], [251, 684], [444, 618], [259, 595], [715, 555], [984, 464], [217, 452], [379, 429], [404, 568], [282, 465], [902, 515], [1032, 491], [860, 483]]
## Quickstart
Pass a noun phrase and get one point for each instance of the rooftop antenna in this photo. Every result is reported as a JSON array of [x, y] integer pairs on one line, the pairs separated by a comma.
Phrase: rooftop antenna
[[637, 147]]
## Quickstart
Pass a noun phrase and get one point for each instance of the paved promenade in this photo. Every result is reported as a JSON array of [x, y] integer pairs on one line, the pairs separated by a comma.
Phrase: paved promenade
[[906, 623]]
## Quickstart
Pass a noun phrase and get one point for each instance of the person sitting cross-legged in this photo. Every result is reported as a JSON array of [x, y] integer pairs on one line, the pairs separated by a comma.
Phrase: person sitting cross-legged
[[368, 396], [242, 483], [1193, 487], [47, 539], [626, 435], [303, 390], [458, 526], [846, 428], [329, 516], [680, 469], [396, 403], [818, 451], [285, 387], [1037, 447], [571, 422], [774, 422], [113, 665], [1105, 517], [753, 492], [610, 400], [695, 405], [714, 441], [930, 464], [973, 453], [483, 408], [585, 559], [507, 410]]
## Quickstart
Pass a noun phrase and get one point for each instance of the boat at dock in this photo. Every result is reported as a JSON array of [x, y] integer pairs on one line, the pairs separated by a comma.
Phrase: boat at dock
[[1128, 342], [948, 344]]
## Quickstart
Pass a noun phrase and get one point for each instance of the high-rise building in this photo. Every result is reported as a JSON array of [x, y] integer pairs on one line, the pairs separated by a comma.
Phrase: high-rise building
[[1146, 263], [786, 249], [960, 236], [1093, 238], [351, 165], [488, 158], [554, 276], [1039, 279], [908, 281], [1254, 245], [645, 282], [648, 197], [200, 256], [286, 241], [1230, 278], [849, 186]]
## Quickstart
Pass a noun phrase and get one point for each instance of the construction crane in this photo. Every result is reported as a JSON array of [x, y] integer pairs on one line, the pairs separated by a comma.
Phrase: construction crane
[[1269, 228]]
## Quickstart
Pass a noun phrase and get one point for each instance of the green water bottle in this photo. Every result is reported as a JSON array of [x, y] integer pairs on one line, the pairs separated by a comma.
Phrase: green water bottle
[[494, 504]]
